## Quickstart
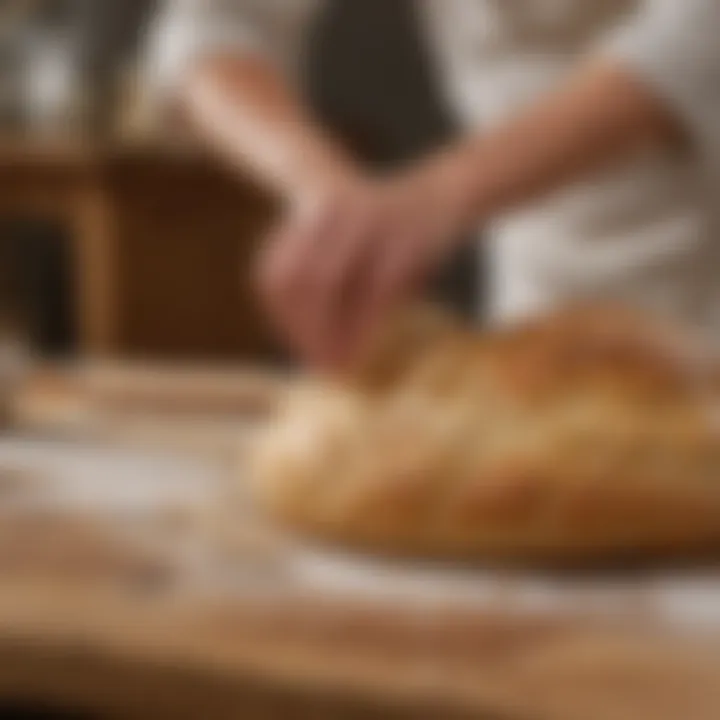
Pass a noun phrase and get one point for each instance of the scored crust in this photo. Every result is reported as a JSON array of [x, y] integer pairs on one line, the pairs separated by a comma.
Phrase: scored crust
[[589, 435]]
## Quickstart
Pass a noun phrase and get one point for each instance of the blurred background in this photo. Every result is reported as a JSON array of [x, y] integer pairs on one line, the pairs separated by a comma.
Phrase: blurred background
[[117, 241], [113, 242]]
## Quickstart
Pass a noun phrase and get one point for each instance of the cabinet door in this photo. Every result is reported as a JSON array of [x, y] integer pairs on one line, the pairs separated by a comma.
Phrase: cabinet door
[[186, 236]]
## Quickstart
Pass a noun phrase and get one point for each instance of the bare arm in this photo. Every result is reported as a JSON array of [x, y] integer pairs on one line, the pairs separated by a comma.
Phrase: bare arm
[[651, 81], [602, 117], [244, 108]]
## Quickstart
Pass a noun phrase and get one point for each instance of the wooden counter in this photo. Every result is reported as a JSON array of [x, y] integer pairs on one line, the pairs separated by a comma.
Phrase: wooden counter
[[237, 631]]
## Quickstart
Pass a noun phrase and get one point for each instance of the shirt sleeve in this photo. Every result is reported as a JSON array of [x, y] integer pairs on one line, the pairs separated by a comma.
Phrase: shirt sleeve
[[673, 46], [184, 30]]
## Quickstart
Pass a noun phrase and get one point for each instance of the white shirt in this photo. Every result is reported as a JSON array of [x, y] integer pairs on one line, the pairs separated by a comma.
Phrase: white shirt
[[646, 233]]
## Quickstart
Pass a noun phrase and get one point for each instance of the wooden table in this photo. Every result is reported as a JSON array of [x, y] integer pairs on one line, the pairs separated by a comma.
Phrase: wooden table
[[181, 645], [159, 242]]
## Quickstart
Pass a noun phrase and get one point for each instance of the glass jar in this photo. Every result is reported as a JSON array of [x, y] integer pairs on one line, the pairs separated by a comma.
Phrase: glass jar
[[53, 85]]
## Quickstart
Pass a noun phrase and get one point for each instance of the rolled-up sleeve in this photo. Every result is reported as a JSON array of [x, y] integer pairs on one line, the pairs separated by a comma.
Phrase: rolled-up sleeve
[[183, 31], [673, 46]]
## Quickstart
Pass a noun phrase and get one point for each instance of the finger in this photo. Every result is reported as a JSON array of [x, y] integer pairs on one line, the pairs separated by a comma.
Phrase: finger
[[275, 272], [352, 303], [291, 277], [396, 276], [336, 280], [268, 263], [311, 301]]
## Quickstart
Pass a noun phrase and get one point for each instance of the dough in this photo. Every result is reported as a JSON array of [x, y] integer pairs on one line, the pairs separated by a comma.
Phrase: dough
[[590, 435]]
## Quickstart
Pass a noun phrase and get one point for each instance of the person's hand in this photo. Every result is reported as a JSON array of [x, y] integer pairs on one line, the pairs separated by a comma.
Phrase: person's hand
[[340, 261]]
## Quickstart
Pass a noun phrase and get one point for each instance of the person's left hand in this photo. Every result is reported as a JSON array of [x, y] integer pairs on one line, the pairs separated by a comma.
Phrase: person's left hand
[[334, 267]]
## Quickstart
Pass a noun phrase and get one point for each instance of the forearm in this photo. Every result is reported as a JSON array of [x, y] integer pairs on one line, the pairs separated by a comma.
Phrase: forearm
[[601, 118], [245, 110]]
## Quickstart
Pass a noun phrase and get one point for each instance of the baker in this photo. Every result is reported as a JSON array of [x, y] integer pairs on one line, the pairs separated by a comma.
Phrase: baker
[[591, 151]]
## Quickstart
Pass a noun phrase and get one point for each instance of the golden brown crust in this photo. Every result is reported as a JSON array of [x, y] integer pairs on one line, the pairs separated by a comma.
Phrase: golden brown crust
[[593, 433]]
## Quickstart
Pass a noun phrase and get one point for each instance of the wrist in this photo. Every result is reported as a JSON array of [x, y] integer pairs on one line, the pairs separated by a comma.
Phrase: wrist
[[319, 167], [453, 179], [327, 178]]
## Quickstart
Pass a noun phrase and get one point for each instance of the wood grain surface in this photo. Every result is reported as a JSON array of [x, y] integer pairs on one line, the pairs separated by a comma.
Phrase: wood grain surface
[[90, 621]]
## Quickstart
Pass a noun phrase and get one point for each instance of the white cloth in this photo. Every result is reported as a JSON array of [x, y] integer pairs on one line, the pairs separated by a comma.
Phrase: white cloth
[[647, 232]]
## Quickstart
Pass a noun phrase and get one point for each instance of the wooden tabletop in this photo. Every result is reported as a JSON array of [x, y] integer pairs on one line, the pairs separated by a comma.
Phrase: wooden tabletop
[[133, 630]]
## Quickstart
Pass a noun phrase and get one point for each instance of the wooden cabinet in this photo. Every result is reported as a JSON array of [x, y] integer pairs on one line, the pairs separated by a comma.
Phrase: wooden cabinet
[[186, 232], [162, 246]]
